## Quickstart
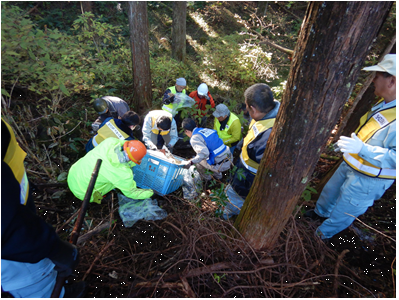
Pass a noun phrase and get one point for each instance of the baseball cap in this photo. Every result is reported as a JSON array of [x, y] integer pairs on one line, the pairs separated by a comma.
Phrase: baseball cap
[[181, 81], [388, 64], [221, 110]]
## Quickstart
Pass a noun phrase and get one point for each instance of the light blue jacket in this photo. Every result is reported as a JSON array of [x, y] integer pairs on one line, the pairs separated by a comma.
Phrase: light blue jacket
[[380, 150]]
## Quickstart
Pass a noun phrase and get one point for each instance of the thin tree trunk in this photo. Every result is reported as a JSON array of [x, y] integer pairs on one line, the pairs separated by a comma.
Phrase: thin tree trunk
[[330, 52], [179, 30], [262, 8], [138, 25]]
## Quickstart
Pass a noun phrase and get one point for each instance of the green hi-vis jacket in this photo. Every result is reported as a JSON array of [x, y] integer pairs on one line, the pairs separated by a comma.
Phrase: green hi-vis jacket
[[112, 173]]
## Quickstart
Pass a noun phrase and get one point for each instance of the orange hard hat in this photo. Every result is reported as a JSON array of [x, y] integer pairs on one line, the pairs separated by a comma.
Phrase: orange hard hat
[[135, 151]]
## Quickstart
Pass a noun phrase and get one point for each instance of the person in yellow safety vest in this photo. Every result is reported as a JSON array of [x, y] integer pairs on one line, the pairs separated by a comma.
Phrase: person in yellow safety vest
[[116, 128], [159, 129], [169, 97], [228, 126], [108, 107], [32, 254], [369, 166], [263, 110]]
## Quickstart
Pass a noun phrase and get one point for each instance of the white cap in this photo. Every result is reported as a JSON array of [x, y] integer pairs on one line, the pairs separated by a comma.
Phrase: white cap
[[202, 89], [388, 64]]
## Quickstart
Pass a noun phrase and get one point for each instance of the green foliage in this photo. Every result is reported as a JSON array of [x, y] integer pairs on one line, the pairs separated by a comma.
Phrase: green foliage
[[307, 193], [56, 65], [231, 62]]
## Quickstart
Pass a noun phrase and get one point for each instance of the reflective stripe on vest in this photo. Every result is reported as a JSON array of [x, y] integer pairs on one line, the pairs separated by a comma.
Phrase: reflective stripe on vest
[[14, 158], [223, 134], [213, 143], [155, 129], [169, 107], [255, 128], [365, 131], [108, 130]]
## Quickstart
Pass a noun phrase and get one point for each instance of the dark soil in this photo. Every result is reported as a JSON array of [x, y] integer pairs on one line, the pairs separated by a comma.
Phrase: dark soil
[[193, 253]]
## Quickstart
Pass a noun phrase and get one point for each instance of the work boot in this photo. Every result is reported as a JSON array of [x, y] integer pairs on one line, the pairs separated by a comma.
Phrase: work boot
[[311, 214], [76, 290]]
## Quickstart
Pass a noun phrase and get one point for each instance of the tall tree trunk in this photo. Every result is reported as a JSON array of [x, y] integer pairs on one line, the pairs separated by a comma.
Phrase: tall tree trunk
[[179, 30], [262, 8], [86, 6], [330, 52], [138, 25]]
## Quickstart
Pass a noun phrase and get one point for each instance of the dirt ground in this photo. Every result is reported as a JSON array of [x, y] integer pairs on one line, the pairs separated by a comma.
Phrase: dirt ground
[[193, 253]]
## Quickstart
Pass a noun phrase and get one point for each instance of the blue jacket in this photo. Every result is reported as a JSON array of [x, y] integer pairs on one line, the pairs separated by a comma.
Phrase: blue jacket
[[213, 142]]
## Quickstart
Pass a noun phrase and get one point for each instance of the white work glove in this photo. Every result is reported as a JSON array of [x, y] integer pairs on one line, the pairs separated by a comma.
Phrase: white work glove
[[350, 145], [187, 164]]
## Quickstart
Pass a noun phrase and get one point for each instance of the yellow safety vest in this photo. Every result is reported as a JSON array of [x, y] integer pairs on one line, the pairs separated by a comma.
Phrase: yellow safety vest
[[255, 128], [155, 127], [108, 130], [14, 158], [223, 134], [169, 107], [365, 131]]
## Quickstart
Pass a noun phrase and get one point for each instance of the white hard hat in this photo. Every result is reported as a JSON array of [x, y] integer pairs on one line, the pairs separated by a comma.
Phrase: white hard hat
[[202, 89]]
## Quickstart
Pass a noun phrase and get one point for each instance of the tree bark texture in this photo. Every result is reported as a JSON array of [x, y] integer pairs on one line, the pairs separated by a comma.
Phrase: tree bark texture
[[138, 25], [330, 52], [179, 30]]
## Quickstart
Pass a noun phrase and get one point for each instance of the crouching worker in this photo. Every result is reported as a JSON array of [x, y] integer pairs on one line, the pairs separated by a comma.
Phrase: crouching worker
[[117, 128], [118, 159], [212, 154], [159, 129], [32, 254]]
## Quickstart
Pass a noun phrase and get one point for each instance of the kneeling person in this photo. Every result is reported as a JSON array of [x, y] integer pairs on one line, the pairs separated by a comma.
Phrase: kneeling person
[[212, 154], [159, 129], [118, 159], [116, 128]]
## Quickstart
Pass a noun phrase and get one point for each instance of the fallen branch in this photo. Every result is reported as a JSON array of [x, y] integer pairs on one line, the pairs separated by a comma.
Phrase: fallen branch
[[67, 222], [105, 248], [339, 259], [92, 232], [329, 157], [278, 47], [373, 229]]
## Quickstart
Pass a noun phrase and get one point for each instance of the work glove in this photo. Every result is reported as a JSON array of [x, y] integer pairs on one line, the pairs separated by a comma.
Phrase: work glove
[[350, 145], [95, 126], [188, 165], [65, 259]]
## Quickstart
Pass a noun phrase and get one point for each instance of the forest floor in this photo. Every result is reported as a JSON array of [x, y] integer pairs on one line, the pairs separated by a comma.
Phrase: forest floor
[[194, 253]]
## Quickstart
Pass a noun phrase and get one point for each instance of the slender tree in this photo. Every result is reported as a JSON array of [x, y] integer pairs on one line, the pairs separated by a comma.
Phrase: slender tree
[[330, 52], [138, 25], [179, 30]]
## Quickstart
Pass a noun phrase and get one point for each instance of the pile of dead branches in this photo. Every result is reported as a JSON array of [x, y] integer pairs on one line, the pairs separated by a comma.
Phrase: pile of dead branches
[[191, 253]]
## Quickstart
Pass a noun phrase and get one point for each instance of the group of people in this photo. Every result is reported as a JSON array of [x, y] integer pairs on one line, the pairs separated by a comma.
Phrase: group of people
[[32, 253]]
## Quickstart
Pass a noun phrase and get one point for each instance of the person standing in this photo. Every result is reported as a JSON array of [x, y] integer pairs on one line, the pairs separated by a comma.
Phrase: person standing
[[369, 166], [32, 254], [263, 110]]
